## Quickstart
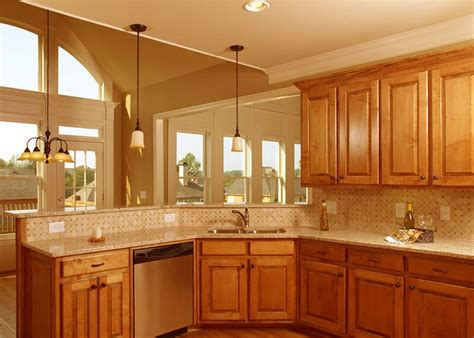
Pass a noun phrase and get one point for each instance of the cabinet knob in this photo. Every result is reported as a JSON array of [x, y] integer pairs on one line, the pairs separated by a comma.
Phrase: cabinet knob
[[341, 177], [397, 285], [340, 274], [252, 266], [93, 286], [422, 177], [97, 265], [103, 285], [332, 177], [411, 287], [242, 266], [435, 177]]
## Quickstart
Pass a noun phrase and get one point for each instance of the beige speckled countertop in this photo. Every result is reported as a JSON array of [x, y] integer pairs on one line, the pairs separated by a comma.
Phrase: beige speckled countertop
[[132, 239]]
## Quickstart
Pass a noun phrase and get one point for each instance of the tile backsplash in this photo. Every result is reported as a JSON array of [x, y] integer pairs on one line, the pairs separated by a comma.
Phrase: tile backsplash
[[373, 208]]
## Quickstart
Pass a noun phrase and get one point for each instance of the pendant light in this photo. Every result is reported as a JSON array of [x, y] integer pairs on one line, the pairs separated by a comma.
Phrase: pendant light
[[138, 141], [45, 156], [237, 142]]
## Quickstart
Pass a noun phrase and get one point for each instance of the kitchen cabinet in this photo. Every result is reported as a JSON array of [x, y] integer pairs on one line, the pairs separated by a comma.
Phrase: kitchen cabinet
[[358, 110], [376, 304], [319, 137], [405, 129], [323, 295], [272, 288], [223, 288], [453, 124], [439, 310], [246, 281]]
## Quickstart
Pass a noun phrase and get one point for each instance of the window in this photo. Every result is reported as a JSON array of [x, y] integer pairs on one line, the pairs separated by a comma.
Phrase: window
[[301, 193], [80, 179], [74, 79], [191, 185], [18, 179], [74, 131], [271, 172], [18, 58], [235, 175]]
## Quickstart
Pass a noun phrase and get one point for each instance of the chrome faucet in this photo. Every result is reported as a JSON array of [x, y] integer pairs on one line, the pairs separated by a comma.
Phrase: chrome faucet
[[245, 216]]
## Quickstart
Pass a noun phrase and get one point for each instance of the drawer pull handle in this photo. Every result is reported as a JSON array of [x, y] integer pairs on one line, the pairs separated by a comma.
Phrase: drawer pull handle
[[411, 287], [97, 265], [341, 177], [93, 286], [321, 252], [397, 285], [340, 274], [371, 260], [103, 285], [440, 270], [332, 177]]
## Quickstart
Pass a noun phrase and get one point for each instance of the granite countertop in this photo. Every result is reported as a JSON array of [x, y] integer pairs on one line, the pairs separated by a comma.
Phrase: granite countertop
[[132, 239]]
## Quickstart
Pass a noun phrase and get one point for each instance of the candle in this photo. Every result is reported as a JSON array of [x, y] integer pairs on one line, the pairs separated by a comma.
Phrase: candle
[[98, 233]]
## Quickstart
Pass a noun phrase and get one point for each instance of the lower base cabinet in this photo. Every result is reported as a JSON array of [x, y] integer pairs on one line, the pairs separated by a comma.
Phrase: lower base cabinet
[[438, 310], [376, 304], [323, 295]]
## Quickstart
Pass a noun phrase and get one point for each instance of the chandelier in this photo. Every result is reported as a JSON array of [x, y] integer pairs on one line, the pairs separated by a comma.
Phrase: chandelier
[[46, 141]]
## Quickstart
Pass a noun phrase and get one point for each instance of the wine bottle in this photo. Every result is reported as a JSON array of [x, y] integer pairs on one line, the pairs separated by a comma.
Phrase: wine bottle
[[409, 222]]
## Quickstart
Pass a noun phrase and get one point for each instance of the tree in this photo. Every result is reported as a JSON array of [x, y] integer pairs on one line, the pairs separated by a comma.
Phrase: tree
[[193, 165]]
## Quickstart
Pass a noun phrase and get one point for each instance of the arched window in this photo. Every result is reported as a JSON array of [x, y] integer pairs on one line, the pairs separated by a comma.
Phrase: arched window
[[18, 58], [74, 79]]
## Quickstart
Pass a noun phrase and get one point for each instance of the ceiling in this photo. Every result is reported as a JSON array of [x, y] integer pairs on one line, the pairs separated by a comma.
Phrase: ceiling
[[288, 31]]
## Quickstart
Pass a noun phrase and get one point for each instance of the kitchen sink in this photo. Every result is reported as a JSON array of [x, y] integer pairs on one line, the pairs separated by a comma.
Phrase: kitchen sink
[[246, 231]]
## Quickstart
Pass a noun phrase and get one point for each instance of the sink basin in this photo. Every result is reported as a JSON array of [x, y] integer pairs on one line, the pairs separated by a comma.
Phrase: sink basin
[[247, 231]]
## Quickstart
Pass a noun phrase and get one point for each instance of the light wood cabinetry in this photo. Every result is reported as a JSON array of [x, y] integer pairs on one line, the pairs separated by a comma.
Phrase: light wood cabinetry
[[439, 310], [254, 285], [323, 295], [319, 136], [359, 133], [453, 124], [223, 289], [405, 129], [376, 304]]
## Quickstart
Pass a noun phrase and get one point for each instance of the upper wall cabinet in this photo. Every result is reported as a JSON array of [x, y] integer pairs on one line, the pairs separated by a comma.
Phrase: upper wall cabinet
[[359, 133], [319, 136], [453, 124], [405, 129], [391, 112]]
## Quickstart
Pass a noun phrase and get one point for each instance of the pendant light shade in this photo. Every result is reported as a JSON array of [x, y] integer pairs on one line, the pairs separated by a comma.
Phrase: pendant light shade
[[237, 141], [138, 138]]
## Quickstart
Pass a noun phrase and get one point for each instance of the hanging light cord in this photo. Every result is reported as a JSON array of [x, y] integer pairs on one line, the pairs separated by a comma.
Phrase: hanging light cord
[[47, 72], [237, 90], [138, 79]]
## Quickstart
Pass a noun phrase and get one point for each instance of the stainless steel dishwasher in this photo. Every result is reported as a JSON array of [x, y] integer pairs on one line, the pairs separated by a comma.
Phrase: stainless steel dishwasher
[[163, 289]]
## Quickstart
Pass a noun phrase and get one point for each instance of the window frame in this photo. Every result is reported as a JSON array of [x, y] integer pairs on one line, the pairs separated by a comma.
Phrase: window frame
[[281, 177], [246, 177], [307, 189]]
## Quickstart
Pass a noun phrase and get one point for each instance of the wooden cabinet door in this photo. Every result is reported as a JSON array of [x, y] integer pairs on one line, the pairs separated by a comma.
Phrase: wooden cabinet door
[[375, 304], [272, 288], [405, 130], [79, 306], [318, 137], [358, 110], [223, 285], [323, 296], [439, 310], [114, 305], [453, 125]]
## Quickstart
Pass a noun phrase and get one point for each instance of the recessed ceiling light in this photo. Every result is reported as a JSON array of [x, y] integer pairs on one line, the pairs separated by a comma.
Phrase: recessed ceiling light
[[255, 6]]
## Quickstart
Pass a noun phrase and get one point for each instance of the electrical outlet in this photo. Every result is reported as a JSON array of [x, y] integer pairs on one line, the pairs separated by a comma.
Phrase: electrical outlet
[[331, 207], [445, 213], [56, 227], [143, 195], [169, 218], [400, 210]]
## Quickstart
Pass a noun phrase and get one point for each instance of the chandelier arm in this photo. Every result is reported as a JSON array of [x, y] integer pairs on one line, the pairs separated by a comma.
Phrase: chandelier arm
[[42, 138]]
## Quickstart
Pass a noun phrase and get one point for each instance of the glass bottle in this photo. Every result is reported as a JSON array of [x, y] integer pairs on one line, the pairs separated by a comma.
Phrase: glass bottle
[[409, 221]]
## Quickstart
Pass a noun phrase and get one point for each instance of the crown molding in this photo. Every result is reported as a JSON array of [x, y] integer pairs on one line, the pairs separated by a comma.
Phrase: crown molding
[[424, 38]]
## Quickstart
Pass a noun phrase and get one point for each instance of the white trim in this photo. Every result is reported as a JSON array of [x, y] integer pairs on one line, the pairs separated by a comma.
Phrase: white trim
[[424, 38]]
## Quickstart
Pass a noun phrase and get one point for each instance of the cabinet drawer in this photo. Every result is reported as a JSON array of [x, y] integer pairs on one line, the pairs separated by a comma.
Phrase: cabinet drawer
[[443, 269], [79, 265], [270, 247], [323, 250], [376, 260], [223, 247]]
